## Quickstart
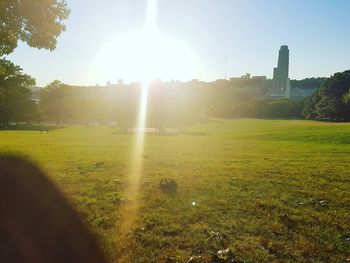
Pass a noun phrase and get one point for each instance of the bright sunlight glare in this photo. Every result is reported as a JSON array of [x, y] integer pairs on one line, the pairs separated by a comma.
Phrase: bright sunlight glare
[[148, 67], [145, 55]]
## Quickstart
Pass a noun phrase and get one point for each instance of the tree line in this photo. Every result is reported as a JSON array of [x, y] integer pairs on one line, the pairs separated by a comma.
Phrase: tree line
[[331, 101], [39, 23], [170, 104]]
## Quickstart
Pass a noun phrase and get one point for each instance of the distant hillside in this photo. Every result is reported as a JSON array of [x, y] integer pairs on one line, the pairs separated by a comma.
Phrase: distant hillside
[[308, 83]]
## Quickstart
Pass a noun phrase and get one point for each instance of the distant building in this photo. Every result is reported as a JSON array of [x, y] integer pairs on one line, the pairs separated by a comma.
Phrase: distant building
[[246, 76], [281, 81], [259, 78]]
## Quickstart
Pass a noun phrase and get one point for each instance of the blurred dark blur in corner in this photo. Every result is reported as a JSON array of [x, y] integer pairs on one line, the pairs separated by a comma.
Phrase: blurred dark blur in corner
[[37, 223]]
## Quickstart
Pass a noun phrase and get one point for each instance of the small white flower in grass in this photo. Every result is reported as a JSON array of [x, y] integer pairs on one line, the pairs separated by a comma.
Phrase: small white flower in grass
[[194, 203]]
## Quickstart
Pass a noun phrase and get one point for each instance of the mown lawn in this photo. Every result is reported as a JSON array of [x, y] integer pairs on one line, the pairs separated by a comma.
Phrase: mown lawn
[[269, 190]]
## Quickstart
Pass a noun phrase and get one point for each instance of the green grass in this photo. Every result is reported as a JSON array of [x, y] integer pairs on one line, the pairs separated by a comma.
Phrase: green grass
[[276, 191]]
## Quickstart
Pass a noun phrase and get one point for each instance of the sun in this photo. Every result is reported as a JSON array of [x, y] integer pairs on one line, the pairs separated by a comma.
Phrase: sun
[[145, 55]]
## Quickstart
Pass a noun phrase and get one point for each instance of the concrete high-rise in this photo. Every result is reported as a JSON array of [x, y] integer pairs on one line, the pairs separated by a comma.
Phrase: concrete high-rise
[[281, 81]]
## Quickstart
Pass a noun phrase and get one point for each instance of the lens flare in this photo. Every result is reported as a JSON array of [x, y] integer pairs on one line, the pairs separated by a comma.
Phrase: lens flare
[[145, 54], [130, 211]]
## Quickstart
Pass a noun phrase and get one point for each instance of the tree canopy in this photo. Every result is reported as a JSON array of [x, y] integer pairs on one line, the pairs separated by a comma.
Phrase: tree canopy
[[56, 101], [36, 22], [15, 97], [331, 101]]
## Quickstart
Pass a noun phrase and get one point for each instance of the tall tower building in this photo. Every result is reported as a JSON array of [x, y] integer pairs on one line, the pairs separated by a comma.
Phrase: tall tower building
[[281, 81]]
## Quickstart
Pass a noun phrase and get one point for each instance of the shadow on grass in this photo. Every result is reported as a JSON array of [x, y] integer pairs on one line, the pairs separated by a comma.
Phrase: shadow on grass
[[24, 127], [210, 120]]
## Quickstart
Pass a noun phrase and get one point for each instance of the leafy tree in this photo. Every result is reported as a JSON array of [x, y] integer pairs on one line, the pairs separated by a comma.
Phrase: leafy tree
[[308, 111], [346, 98], [331, 100], [15, 97], [36, 22], [279, 108], [308, 83], [56, 102]]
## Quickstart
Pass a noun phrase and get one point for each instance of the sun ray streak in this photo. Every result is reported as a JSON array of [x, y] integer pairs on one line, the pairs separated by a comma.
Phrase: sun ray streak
[[130, 211]]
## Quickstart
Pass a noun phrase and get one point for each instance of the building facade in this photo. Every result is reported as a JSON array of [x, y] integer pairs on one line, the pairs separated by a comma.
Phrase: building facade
[[281, 81]]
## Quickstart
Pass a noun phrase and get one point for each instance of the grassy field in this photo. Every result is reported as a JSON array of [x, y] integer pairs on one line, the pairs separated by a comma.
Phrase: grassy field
[[269, 190]]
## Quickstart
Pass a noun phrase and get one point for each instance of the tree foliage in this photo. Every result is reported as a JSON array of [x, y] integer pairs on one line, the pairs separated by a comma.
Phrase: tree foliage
[[169, 104], [56, 101], [176, 104], [36, 22], [15, 97], [346, 98], [331, 101], [308, 83]]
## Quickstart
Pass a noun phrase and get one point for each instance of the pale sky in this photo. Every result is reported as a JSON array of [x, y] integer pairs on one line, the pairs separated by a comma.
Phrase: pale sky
[[104, 42]]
